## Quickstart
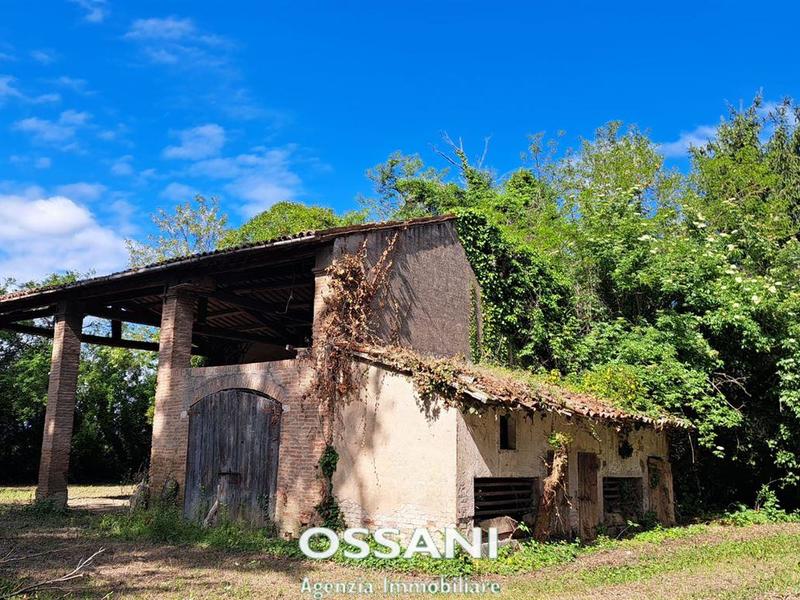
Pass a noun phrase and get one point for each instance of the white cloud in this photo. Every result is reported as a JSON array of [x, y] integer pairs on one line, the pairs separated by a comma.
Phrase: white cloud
[[96, 11], [687, 139], [46, 98], [123, 213], [169, 28], [42, 162], [10, 91], [74, 84], [44, 57], [177, 41], [60, 133], [82, 190], [197, 143], [260, 178], [122, 166], [51, 234], [179, 45], [74, 117], [117, 132], [178, 191]]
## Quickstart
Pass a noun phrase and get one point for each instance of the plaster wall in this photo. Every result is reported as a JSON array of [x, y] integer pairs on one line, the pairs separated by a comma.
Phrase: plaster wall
[[432, 293], [479, 453], [397, 464]]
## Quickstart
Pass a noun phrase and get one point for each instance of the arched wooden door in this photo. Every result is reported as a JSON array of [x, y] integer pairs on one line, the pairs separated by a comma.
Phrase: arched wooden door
[[232, 459]]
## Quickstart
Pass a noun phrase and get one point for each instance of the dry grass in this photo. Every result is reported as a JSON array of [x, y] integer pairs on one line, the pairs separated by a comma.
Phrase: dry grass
[[704, 562], [79, 495]]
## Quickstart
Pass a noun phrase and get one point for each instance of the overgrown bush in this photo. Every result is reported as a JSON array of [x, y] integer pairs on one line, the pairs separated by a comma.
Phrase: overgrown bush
[[767, 510]]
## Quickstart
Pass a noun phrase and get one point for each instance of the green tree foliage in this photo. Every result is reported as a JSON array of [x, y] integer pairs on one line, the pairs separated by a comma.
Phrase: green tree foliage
[[24, 368], [601, 269], [112, 418], [116, 389], [193, 227], [287, 218], [660, 290]]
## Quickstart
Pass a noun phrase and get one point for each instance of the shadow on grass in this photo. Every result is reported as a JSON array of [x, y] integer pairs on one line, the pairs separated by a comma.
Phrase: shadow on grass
[[144, 552]]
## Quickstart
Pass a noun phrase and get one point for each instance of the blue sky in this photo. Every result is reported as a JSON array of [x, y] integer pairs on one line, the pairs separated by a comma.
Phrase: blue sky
[[110, 109]]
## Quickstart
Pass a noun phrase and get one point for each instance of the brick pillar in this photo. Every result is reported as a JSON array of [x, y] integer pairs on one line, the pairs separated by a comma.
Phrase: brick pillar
[[57, 438], [170, 421], [322, 283]]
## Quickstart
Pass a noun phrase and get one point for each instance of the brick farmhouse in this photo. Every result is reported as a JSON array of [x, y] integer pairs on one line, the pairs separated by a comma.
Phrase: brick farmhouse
[[245, 433]]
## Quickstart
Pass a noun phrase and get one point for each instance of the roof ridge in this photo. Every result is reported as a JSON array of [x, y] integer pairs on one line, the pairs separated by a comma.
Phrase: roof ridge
[[309, 235]]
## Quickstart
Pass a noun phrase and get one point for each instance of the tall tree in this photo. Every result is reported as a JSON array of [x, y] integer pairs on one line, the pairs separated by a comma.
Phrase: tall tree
[[287, 218], [659, 290], [193, 227]]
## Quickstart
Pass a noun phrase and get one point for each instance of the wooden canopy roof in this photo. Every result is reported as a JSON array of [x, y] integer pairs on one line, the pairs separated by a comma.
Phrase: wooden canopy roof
[[261, 292]]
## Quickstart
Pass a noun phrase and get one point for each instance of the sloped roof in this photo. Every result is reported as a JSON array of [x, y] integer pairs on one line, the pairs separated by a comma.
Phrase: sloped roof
[[499, 388], [305, 238]]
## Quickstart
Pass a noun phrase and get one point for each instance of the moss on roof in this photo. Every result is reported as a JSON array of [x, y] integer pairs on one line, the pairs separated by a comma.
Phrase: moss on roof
[[459, 382]]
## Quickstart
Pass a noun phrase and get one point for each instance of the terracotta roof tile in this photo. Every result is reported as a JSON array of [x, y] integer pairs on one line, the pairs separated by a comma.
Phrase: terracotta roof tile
[[492, 387]]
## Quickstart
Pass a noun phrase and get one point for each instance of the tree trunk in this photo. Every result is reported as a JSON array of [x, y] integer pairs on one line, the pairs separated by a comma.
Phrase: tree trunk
[[547, 501]]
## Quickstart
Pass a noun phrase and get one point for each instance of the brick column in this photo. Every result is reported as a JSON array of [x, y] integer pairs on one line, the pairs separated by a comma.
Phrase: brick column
[[57, 437], [170, 421], [322, 283]]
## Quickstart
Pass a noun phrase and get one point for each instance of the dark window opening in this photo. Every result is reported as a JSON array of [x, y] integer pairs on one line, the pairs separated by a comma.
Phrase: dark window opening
[[508, 433], [622, 499], [505, 496]]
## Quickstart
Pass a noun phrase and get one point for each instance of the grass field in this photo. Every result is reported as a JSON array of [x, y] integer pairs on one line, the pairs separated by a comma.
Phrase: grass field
[[700, 561]]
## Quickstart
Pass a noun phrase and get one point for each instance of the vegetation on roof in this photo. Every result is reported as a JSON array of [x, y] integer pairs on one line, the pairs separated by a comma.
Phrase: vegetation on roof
[[455, 382]]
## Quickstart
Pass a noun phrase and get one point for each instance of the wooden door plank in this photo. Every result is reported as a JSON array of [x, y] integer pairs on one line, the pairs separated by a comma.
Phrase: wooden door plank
[[659, 490], [234, 437], [588, 502]]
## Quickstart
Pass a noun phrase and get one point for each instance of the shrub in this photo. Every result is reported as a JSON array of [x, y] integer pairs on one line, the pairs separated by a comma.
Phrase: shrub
[[767, 510]]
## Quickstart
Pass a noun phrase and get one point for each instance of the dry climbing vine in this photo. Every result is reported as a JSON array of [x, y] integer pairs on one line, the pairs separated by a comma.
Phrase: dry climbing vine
[[346, 322]]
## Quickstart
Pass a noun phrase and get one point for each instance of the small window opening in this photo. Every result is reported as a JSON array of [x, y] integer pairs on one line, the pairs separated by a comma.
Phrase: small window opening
[[622, 499], [508, 433]]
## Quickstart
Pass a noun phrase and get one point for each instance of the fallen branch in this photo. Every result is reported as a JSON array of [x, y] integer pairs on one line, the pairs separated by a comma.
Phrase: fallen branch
[[76, 573]]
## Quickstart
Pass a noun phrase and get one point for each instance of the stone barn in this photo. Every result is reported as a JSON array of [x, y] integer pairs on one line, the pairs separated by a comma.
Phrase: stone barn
[[245, 432]]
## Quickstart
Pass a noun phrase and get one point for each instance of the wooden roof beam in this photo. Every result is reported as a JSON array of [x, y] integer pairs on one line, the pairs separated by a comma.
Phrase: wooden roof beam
[[97, 340], [28, 315], [136, 317], [262, 311]]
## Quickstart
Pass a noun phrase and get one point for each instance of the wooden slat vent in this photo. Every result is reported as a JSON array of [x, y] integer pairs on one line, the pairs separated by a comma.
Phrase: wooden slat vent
[[505, 496]]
